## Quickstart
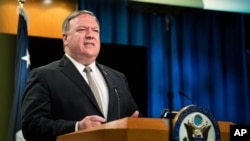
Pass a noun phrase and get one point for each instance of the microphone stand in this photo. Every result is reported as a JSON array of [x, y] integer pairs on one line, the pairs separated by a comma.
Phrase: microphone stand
[[170, 93]]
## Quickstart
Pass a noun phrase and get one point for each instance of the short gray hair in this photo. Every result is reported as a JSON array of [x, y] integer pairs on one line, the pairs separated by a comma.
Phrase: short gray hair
[[65, 26]]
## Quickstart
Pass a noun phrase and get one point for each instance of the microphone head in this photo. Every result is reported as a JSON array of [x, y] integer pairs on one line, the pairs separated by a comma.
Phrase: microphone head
[[186, 96], [181, 93]]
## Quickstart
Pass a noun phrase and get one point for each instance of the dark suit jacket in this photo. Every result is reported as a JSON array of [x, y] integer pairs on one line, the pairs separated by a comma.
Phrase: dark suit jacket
[[57, 96]]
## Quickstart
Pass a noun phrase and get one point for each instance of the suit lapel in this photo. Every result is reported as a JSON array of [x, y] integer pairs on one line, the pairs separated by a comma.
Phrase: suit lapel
[[113, 99], [72, 73]]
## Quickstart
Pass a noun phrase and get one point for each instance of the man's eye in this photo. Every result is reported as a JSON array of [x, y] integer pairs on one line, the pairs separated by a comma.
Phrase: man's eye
[[80, 29]]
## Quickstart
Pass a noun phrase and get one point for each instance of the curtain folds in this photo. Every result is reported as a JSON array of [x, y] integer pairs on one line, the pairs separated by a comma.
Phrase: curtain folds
[[203, 54]]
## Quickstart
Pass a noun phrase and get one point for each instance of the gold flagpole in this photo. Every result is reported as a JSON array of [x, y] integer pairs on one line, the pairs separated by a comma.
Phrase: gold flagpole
[[21, 10], [21, 2]]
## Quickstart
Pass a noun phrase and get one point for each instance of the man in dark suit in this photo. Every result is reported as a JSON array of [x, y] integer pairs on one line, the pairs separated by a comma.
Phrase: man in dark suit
[[59, 99]]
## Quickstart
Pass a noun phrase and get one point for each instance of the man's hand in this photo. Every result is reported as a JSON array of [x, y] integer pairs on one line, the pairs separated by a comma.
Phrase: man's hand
[[90, 121], [135, 114]]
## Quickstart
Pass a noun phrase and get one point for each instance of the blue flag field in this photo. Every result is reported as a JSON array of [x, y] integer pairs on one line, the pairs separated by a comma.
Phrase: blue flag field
[[21, 74]]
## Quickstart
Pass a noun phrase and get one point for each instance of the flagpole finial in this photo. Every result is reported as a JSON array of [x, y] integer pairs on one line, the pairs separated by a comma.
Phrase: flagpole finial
[[21, 10], [21, 2]]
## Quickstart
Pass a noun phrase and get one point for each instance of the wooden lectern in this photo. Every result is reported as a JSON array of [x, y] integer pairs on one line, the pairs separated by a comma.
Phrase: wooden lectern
[[132, 129]]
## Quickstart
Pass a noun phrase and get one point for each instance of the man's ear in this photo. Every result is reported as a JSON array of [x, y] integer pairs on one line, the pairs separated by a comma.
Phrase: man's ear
[[64, 38]]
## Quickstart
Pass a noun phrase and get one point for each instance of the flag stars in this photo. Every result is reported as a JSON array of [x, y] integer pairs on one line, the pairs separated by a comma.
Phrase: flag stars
[[27, 58]]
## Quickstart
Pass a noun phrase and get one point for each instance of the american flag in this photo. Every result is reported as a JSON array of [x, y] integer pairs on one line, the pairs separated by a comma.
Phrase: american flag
[[21, 73]]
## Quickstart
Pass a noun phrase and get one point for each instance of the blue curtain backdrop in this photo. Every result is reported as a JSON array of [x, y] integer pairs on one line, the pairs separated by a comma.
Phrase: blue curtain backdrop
[[204, 55]]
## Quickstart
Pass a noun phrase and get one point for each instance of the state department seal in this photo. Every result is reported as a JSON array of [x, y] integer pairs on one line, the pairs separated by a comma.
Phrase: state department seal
[[194, 123]]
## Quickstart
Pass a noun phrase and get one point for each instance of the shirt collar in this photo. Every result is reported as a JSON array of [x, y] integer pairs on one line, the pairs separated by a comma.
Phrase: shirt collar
[[79, 66]]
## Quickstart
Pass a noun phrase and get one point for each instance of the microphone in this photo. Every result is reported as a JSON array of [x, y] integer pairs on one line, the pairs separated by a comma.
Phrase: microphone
[[118, 102], [184, 94]]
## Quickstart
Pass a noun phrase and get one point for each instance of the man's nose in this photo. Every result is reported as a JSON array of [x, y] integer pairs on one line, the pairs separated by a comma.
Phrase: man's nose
[[89, 34]]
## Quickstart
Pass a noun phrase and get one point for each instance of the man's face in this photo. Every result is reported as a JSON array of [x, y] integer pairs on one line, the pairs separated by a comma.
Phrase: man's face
[[82, 40]]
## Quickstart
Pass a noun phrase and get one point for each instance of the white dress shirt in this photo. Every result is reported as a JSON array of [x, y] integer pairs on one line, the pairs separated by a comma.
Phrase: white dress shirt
[[99, 80]]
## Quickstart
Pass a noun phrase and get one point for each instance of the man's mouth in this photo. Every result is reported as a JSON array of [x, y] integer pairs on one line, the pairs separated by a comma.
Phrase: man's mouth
[[88, 43]]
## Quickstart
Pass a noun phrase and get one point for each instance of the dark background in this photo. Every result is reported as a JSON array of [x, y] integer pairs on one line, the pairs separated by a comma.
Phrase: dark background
[[131, 60]]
